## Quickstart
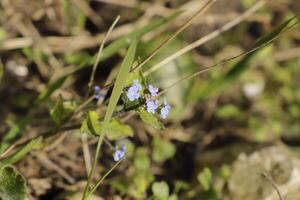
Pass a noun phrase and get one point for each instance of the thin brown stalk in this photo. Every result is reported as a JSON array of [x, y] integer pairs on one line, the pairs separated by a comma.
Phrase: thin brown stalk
[[271, 181], [168, 40], [188, 77], [100, 53], [207, 37], [85, 146]]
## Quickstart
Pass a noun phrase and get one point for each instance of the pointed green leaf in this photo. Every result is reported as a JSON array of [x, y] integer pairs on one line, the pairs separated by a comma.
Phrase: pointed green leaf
[[117, 130], [120, 81], [25, 149], [205, 178], [61, 110], [50, 88], [12, 184], [150, 119], [93, 124]]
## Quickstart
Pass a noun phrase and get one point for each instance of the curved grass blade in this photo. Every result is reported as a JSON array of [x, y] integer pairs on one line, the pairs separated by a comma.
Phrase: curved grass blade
[[120, 81], [114, 98], [123, 42], [242, 65], [33, 144]]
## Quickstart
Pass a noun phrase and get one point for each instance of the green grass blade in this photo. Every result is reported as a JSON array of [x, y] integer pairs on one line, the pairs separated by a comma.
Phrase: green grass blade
[[120, 81], [242, 65], [33, 144], [114, 98], [125, 41]]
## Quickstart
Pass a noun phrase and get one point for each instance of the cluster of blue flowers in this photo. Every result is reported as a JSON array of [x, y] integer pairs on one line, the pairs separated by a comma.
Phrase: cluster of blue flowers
[[152, 104]]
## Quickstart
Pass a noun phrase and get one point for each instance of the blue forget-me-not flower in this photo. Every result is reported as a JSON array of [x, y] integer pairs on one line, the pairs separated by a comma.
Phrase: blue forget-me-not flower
[[134, 91], [152, 105], [153, 90], [164, 111], [97, 92], [120, 154]]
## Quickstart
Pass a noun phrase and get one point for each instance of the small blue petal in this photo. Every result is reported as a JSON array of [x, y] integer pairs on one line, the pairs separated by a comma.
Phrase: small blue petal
[[153, 90], [164, 112], [133, 92], [120, 154], [151, 105], [97, 89]]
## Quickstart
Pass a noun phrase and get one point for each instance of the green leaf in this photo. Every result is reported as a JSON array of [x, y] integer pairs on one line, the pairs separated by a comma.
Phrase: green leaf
[[140, 183], [142, 176], [228, 112], [141, 160], [15, 127], [150, 119], [73, 16], [115, 130], [20, 124], [77, 58], [205, 178], [160, 190], [242, 65], [92, 124], [173, 197], [162, 150], [120, 81], [28, 52], [50, 88], [61, 110], [25, 149], [137, 75], [12, 184]]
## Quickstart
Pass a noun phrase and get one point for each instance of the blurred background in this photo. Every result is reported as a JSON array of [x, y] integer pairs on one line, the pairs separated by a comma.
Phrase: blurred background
[[221, 137]]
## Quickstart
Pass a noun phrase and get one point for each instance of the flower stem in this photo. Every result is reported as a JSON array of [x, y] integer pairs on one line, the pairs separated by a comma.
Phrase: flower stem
[[103, 178], [86, 189]]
